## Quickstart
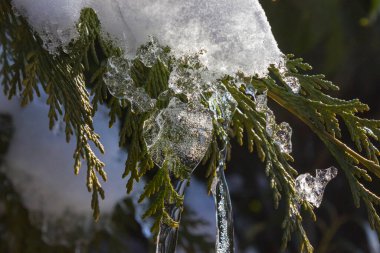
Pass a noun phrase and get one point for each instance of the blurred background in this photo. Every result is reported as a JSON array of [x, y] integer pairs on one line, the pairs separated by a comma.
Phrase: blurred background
[[45, 208]]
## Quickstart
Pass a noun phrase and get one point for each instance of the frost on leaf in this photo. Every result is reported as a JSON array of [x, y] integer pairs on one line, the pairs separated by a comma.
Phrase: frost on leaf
[[181, 132], [121, 85], [311, 188]]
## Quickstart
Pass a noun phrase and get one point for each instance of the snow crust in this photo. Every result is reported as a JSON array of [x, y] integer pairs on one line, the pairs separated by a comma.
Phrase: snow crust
[[235, 34]]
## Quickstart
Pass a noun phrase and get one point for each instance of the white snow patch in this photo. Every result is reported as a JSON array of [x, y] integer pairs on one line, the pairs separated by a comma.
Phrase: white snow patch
[[235, 34], [40, 163]]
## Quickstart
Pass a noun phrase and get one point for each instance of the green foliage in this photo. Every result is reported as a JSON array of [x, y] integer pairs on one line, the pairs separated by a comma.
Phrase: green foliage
[[25, 64], [26, 67]]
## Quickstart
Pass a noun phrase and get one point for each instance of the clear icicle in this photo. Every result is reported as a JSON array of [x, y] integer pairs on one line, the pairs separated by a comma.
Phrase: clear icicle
[[167, 235], [223, 206], [181, 134], [223, 106], [311, 188]]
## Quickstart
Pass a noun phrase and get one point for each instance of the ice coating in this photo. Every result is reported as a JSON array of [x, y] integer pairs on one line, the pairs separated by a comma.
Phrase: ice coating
[[180, 131], [282, 133], [223, 105], [235, 34], [282, 137], [291, 81], [311, 188], [121, 85], [190, 77], [150, 52]]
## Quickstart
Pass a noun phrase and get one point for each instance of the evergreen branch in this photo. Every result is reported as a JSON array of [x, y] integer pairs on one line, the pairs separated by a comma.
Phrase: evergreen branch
[[164, 194], [27, 65], [280, 173], [304, 108]]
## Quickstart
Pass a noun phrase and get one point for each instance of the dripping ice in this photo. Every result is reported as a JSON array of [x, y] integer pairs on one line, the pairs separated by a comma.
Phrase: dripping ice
[[311, 188]]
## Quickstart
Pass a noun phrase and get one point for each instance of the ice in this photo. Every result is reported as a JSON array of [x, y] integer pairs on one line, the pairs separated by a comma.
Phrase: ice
[[179, 132], [224, 216], [121, 85], [250, 90], [291, 81], [190, 77], [271, 124], [235, 34], [261, 102], [311, 188], [282, 137], [282, 133], [152, 51], [222, 104]]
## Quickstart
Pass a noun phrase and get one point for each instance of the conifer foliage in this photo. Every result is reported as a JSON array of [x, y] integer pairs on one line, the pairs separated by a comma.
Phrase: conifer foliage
[[74, 84]]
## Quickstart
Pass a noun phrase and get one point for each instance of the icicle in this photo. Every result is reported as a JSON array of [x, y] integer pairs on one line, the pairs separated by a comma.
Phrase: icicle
[[223, 106], [167, 235], [223, 206], [180, 133], [312, 188]]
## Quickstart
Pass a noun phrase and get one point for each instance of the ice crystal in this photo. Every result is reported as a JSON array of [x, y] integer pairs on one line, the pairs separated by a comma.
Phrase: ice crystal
[[282, 137], [149, 53], [181, 131], [222, 104], [282, 133], [311, 188], [291, 81], [190, 77], [250, 90], [261, 102], [121, 85]]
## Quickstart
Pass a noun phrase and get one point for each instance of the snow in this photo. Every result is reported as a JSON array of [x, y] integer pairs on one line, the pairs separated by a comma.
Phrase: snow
[[44, 177], [40, 163], [235, 34]]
